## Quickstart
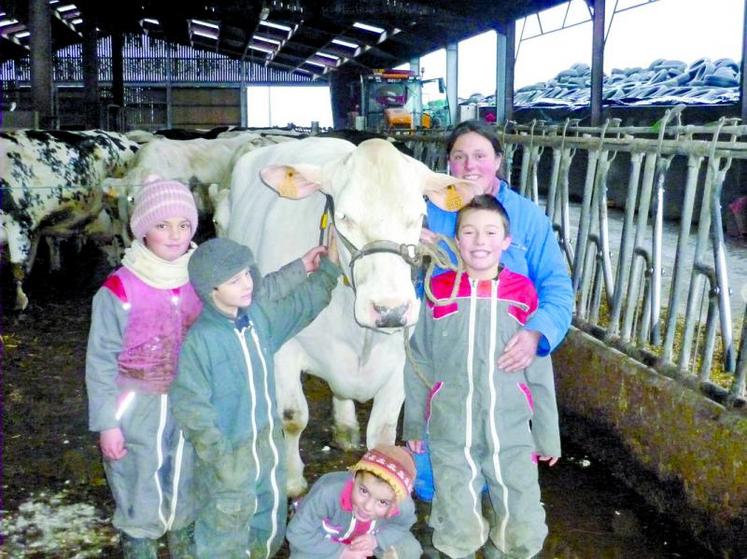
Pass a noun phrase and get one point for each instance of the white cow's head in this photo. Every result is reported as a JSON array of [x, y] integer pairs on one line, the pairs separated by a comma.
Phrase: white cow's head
[[378, 196]]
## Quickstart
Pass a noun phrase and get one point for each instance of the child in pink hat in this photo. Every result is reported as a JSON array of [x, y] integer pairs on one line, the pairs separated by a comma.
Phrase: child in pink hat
[[139, 318], [356, 516]]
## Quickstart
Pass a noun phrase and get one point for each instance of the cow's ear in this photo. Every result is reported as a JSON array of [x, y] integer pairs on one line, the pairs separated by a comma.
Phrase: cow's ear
[[450, 193], [292, 181]]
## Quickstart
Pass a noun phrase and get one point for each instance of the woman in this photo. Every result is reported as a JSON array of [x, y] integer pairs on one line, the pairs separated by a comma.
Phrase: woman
[[475, 154]]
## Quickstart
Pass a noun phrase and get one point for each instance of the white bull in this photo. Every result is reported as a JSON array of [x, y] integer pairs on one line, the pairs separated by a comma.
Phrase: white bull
[[353, 344]]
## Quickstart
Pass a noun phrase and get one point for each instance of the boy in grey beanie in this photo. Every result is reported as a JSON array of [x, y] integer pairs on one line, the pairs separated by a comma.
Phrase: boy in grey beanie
[[224, 393]]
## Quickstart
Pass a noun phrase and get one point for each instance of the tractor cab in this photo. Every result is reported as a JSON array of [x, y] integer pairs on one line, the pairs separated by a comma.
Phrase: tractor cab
[[399, 99]]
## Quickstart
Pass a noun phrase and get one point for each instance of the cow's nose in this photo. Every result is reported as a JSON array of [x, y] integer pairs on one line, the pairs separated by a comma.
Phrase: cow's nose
[[391, 317]]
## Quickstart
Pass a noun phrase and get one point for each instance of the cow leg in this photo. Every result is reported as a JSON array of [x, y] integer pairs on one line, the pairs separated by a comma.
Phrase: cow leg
[[55, 262], [382, 423], [294, 411], [19, 274], [347, 432], [22, 251]]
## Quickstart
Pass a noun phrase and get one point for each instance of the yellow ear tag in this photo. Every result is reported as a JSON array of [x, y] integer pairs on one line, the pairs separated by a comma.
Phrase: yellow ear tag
[[325, 221], [453, 200], [288, 188]]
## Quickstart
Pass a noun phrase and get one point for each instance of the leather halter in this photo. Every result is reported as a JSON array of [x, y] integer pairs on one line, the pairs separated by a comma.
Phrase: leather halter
[[411, 254]]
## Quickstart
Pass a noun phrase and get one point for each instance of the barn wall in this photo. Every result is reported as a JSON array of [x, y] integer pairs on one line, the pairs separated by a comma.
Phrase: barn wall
[[205, 107], [685, 454]]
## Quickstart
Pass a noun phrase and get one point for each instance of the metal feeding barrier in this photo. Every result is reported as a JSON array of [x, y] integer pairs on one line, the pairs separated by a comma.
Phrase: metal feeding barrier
[[618, 275]]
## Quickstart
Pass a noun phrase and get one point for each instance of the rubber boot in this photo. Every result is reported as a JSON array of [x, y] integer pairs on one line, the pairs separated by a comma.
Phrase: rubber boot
[[138, 548], [182, 542]]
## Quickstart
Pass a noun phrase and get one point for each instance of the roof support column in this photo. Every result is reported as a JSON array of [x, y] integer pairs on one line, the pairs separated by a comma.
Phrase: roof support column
[[118, 80], [452, 80], [504, 77], [417, 108], [344, 93], [92, 116], [744, 66], [597, 62], [41, 61]]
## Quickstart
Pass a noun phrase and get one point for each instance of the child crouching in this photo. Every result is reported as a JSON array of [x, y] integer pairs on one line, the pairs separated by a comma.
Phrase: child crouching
[[353, 517]]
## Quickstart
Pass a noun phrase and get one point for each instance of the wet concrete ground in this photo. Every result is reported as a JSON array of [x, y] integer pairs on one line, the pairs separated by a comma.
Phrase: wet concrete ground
[[52, 471]]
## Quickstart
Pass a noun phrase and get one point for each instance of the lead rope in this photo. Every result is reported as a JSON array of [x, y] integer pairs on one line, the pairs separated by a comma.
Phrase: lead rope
[[439, 258]]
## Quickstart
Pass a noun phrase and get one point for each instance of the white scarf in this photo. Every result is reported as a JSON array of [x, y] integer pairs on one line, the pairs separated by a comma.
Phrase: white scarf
[[155, 271]]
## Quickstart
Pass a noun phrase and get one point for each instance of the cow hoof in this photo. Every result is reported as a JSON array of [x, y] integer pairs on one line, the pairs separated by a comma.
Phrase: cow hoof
[[296, 487], [21, 302], [347, 438]]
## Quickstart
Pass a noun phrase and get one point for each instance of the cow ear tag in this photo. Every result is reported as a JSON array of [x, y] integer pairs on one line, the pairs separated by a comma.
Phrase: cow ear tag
[[452, 199], [288, 188]]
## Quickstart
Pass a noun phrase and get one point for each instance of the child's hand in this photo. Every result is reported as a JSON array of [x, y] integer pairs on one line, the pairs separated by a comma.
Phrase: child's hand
[[551, 460], [365, 544], [348, 553], [112, 444], [416, 446], [519, 351], [311, 259]]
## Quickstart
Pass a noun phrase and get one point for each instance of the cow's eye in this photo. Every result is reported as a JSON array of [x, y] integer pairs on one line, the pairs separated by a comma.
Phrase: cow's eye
[[342, 218]]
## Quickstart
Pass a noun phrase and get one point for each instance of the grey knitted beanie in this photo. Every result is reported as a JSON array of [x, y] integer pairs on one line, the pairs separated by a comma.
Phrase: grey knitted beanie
[[216, 261]]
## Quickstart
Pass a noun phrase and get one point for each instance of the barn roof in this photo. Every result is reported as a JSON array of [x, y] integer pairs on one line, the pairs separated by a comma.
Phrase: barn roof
[[310, 37]]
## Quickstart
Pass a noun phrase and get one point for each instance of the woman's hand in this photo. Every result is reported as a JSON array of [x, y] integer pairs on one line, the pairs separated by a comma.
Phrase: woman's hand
[[520, 351], [428, 236], [112, 444]]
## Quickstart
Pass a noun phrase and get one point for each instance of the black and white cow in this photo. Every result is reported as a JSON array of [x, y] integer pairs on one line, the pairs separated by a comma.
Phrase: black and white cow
[[51, 183]]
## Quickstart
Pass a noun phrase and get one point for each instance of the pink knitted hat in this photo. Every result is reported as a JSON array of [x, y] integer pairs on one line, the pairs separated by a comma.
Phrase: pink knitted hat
[[393, 464], [160, 199]]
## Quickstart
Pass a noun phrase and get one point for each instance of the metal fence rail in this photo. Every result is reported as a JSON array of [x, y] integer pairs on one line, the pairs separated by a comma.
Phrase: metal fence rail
[[618, 278]]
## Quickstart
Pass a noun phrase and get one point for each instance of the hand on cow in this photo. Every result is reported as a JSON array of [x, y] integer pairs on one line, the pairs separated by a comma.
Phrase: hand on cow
[[551, 460], [428, 236], [520, 351], [332, 252], [112, 444], [311, 259], [416, 446], [365, 543]]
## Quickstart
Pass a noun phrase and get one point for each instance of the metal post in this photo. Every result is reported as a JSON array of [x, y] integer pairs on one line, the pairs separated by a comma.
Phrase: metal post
[[118, 77], [244, 101], [509, 58], [169, 89], [41, 60], [417, 109], [744, 66], [597, 62], [452, 80], [501, 54], [91, 75]]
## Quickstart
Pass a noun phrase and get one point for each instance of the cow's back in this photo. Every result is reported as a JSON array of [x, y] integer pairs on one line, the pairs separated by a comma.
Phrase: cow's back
[[46, 168]]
